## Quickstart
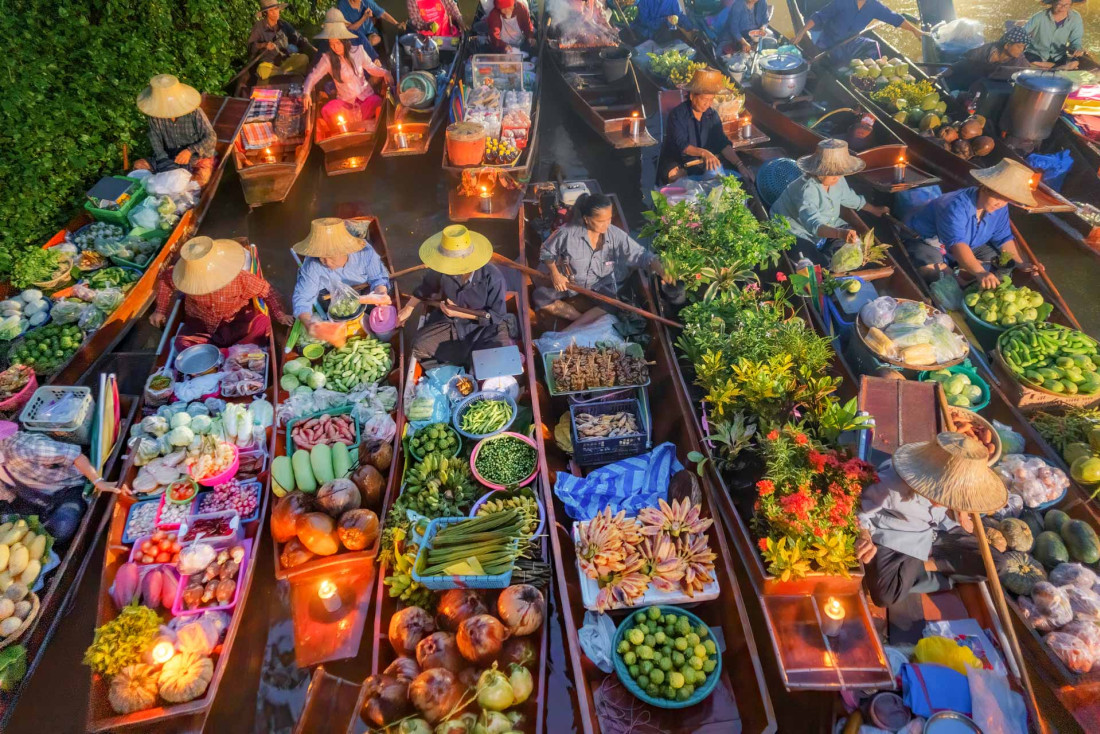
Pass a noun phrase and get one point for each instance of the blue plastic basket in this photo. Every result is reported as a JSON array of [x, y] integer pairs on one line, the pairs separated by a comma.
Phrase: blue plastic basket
[[975, 379], [624, 675], [466, 402], [443, 583], [127, 539], [251, 518]]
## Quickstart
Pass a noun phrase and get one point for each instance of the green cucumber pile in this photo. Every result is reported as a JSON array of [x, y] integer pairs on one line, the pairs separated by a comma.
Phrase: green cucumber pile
[[505, 460], [361, 360], [1053, 357], [434, 438], [483, 417]]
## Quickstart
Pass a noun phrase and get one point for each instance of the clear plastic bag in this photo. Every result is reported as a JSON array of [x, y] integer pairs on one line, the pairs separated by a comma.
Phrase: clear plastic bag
[[878, 313], [67, 311], [65, 410], [848, 257], [602, 330], [380, 427], [1085, 603], [911, 312], [1088, 633], [168, 182], [1073, 574], [946, 343], [946, 293], [91, 319], [145, 214], [1011, 441], [1052, 603], [908, 335], [1070, 650], [108, 299], [344, 300]]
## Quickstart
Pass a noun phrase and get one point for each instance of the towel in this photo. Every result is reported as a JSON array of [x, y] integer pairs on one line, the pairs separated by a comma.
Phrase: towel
[[928, 689], [630, 484]]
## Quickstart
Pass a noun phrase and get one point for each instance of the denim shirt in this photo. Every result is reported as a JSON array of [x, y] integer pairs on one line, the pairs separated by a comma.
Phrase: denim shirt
[[807, 205], [363, 266], [900, 519]]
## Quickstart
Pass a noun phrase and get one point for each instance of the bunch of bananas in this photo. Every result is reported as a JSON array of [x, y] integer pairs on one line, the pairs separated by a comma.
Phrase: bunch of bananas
[[526, 506]]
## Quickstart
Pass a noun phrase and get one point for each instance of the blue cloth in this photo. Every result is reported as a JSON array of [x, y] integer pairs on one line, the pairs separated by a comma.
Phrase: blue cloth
[[808, 205], [928, 688], [742, 19], [653, 14], [630, 484], [1054, 167], [351, 15], [363, 266], [843, 18], [952, 218]]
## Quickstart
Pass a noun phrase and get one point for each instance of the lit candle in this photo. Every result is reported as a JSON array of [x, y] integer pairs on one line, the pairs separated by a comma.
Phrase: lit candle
[[327, 593], [163, 651], [485, 201], [834, 617], [746, 126], [899, 170], [340, 123], [1033, 181], [400, 138], [268, 155], [635, 125]]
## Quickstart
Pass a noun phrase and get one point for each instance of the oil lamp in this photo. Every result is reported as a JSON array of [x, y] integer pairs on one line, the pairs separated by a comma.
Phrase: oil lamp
[[485, 201], [341, 124], [899, 169], [746, 126], [269, 157], [400, 138], [834, 617], [635, 125], [326, 592]]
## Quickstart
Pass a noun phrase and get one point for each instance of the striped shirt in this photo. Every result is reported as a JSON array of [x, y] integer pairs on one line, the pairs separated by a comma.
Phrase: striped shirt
[[33, 466], [169, 137]]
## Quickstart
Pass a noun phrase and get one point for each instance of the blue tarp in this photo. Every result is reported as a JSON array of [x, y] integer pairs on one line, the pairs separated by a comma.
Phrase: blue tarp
[[630, 484]]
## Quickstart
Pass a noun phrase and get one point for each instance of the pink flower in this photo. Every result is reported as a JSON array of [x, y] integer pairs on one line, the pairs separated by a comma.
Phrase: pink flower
[[752, 288], [781, 277]]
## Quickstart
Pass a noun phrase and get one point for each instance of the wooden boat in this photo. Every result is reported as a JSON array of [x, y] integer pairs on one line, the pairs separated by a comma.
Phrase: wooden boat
[[62, 583], [320, 640], [348, 147], [268, 174], [190, 716], [742, 686], [330, 704], [420, 126]]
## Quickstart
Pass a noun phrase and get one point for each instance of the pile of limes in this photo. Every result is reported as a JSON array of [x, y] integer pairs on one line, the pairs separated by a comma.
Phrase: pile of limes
[[666, 656]]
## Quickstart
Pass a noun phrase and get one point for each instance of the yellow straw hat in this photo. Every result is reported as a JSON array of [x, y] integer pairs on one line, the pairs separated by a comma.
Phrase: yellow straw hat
[[329, 237], [207, 265], [335, 26], [166, 96], [952, 471], [705, 81], [1010, 179], [831, 159], [456, 251]]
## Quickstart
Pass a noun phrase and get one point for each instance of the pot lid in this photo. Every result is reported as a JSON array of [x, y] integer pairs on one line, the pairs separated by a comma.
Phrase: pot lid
[[783, 63], [1040, 82]]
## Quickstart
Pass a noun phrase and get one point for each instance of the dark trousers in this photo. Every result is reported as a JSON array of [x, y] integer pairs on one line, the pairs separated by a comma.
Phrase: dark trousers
[[892, 575], [438, 340]]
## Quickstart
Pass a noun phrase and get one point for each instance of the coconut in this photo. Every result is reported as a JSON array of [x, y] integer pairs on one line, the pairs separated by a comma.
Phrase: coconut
[[949, 134], [962, 149], [970, 129], [981, 145]]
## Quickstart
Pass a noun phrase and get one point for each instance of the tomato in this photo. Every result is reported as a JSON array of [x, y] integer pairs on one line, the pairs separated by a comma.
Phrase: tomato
[[164, 557], [165, 545]]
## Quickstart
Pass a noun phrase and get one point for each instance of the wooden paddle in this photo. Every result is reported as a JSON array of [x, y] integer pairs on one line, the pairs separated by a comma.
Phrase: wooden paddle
[[500, 259]]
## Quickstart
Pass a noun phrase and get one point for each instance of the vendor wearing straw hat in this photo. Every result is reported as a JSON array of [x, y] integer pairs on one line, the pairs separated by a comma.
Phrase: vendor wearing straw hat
[[694, 133], [332, 252], [282, 49], [813, 204], [1057, 35], [970, 227], [915, 527], [179, 132], [218, 292], [469, 292], [349, 66]]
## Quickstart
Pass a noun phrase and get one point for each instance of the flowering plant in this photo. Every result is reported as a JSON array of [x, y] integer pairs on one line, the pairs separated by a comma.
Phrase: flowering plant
[[807, 504]]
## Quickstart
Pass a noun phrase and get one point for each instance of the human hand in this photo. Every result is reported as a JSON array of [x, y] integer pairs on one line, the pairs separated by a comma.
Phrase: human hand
[[561, 283], [377, 299], [745, 46], [269, 46], [1069, 66], [158, 320], [865, 547], [711, 161], [850, 235], [286, 320], [183, 157], [988, 280], [880, 211], [307, 101], [966, 522], [404, 314]]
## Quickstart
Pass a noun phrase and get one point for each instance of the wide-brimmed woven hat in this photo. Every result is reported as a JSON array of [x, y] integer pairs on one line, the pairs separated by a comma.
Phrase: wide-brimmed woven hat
[[266, 5], [207, 265], [335, 26], [328, 237], [705, 81], [1010, 179], [167, 96], [952, 471], [831, 159], [456, 250], [1051, 2]]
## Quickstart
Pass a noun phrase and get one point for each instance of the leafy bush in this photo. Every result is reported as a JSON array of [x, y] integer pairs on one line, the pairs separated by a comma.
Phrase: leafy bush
[[71, 74]]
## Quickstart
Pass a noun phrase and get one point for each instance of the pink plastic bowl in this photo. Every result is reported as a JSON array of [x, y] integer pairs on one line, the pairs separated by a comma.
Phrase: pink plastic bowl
[[482, 442], [226, 475], [383, 319]]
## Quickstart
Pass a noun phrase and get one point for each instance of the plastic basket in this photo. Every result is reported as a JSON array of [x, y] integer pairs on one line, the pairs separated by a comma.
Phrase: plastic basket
[[466, 402], [78, 431], [634, 350], [119, 216], [185, 512], [127, 538], [345, 410], [505, 493], [178, 609], [253, 485], [231, 515], [255, 457], [624, 675], [491, 485], [588, 451], [443, 583], [975, 379], [418, 457]]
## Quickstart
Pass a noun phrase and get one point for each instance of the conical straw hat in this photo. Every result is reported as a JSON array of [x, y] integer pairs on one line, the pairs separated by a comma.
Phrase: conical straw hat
[[328, 237], [456, 251], [335, 26], [1010, 179], [952, 471], [167, 96], [207, 265], [831, 159], [705, 81]]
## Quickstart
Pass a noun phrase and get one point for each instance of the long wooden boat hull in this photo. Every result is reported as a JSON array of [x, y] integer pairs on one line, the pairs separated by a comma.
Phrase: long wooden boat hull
[[420, 127], [349, 152], [267, 177]]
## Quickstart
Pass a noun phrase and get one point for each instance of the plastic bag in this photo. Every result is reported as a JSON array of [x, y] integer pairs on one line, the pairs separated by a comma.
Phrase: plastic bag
[[145, 451], [168, 182], [1070, 650], [847, 257], [959, 35], [1073, 574], [947, 652], [1052, 603], [878, 313], [1053, 167], [380, 426], [199, 386], [108, 299], [91, 319], [600, 331], [947, 293], [946, 343], [1011, 441], [67, 311], [1088, 633], [145, 214], [908, 335], [596, 638], [1084, 602], [911, 312], [84, 292], [65, 410], [196, 557], [344, 300], [428, 405], [154, 425], [994, 705]]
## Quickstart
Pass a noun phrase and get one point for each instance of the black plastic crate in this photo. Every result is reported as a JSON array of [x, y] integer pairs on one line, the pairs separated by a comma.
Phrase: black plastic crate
[[590, 451]]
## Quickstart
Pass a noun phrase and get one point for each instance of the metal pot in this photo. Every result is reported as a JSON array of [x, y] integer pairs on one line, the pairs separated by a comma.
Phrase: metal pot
[[422, 51], [783, 75], [1036, 102]]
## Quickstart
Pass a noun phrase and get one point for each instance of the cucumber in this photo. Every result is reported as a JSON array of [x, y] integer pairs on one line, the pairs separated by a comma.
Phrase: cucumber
[[283, 473], [341, 460], [320, 458], [303, 472]]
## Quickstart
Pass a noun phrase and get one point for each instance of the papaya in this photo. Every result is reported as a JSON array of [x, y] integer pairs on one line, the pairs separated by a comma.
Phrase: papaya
[[1086, 469], [1054, 520], [1081, 541], [1050, 550]]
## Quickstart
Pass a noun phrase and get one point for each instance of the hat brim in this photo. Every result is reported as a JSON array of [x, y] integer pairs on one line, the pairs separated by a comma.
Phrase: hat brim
[[984, 495], [478, 257], [811, 164], [276, 6], [184, 100], [192, 279], [1025, 198], [330, 32], [348, 246], [700, 89]]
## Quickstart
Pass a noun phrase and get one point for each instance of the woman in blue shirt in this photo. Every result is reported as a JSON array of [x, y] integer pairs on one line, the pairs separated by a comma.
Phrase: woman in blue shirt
[[1057, 36], [843, 19], [970, 227], [362, 17], [746, 23]]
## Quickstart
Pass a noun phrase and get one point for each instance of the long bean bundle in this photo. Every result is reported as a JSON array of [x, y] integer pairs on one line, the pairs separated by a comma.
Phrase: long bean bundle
[[489, 540]]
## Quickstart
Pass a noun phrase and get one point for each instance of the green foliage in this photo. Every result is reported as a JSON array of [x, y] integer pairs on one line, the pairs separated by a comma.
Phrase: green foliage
[[71, 74]]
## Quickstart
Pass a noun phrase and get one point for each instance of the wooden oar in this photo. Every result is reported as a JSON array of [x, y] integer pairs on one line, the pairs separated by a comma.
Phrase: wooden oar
[[1022, 243], [247, 67], [500, 259], [852, 37]]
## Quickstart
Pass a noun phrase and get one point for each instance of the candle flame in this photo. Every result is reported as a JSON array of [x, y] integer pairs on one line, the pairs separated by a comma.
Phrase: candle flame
[[484, 191], [1033, 180], [901, 159], [399, 128], [833, 608], [326, 590], [634, 113], [163, 652]]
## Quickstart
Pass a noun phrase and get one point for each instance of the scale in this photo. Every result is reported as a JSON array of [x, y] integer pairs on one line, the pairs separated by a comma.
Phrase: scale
[[111, 192], [570, 192], [497, 362]]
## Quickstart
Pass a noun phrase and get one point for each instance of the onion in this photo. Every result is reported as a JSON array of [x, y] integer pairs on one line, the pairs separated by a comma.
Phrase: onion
[[464, 724], [387, 700], [522, 682], [494, 691], [520, 650], [458, 605], [480, 638], [403, 667], [522, 609], [493, 722], [438, 650], [435, 693], [414, 726], [408, 627]]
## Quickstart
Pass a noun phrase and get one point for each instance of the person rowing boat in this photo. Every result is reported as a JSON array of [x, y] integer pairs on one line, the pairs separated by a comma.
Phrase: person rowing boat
[[333, 255], [970, 227], [592, 253], [1057, 36], [364, 18], [694, 131], [845, 19], [180, 133], [218, 290], [813, 203], [349, 66], [469, 292], [979, 63], [282, 49]]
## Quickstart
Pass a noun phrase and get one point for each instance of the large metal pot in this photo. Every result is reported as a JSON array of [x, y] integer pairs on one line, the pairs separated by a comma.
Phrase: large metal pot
[[783, 76], [1036, 102], [422, 51]]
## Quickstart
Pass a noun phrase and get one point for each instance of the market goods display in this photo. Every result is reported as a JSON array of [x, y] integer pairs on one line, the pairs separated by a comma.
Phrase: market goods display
[[438, 486], [208, 576], [87, 236], [486, 416], [48, 347], [501, 151], [324, 430], [344, 304], [361, 360], [298, 373], [973, 425], [1031, 477], [122, 641], [334, 519], [39, 266], [1006, 305], [623, 423], [14, 379], [505, 460], [666, 656], [24, 548], [162, 546], [480, 546], [25, 311], [18, 607], [113, 277], [1053, 357], [911, 333], [960, 389], [306, 470], [434, 438], [218, 526], [141, 519], [584, 368], [231, 495], [523, 503], [674, 65]]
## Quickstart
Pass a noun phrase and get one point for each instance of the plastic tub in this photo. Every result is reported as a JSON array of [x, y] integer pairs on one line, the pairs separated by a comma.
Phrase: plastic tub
[[443, 583], [78, 430], [418, 457], [465, 403], [477, 450], [127, 538], [345, 410], [226, 475], [178, 609], [135, 553], [466, 143], [119, 216], [160, 512], [256, 487], [509, 493], [975, 379], [230, 515]]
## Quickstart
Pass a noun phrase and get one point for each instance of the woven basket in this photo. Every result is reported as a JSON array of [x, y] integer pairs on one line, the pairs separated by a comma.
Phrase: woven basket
[[1030, 397], [36, 606], [61, 276]]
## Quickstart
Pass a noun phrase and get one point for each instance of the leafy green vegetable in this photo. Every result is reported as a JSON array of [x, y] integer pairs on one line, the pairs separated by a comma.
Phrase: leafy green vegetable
[[13, 666], [34, 266], [123, 640]]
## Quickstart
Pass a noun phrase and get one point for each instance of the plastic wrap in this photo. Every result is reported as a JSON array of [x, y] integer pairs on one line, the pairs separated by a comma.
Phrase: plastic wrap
[[878, 313], [1085, 603], [913, 313], [1032, 478], [91, 319], [1052, 603], [946, 343], [67, 310], [1070, 650], [1074, 574], [946, 293], [1011, 441], [848, 257], [1088, 633], [108, 299], [908, 335]]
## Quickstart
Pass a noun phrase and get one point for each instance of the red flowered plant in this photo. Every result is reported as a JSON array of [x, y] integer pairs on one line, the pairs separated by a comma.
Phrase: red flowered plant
[[808, 499]]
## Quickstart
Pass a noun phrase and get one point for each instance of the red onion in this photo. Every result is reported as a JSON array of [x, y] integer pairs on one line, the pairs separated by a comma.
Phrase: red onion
[[480, 638], [458, 605], [435, 693], [408, 627], [522, 608], [387, 700], [519, 650], [403, 667], [438, 650]]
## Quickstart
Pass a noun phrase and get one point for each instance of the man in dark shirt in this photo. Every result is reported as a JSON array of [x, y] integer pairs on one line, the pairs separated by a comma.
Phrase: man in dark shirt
[[180, 134], [283, 47], [694, 131], [469, 293]]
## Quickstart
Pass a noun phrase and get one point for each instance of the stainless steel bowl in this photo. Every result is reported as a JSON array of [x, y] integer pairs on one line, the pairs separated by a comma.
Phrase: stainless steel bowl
[[198, 360], [783, 76]]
